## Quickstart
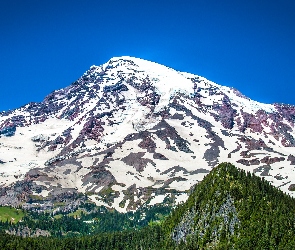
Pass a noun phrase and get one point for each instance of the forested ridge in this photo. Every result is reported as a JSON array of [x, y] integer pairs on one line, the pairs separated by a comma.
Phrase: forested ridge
[[229, 209]]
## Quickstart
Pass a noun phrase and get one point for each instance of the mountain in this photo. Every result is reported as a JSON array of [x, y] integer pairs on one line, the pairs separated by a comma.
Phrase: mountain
[[228, 209], [132, 132], [234, 209]]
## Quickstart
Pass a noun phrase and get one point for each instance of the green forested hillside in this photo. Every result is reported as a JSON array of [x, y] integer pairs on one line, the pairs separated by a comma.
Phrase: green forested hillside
[[87, 220], [229, 209], [234, 209]]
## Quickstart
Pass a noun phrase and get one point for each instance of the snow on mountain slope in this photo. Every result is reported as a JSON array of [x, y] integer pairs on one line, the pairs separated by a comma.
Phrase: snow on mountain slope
[[131, 132]]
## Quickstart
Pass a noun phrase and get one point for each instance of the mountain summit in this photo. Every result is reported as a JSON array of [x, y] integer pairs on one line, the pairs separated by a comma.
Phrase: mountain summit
[[133, 132]]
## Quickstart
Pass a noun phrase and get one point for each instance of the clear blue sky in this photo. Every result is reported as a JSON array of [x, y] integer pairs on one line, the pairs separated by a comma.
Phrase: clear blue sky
[[246, 44]]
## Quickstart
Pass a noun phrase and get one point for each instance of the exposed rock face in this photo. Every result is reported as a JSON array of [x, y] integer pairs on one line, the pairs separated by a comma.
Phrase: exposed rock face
[[8, 130], [131, 132], [185, 227], [226, 215], [27, 232]]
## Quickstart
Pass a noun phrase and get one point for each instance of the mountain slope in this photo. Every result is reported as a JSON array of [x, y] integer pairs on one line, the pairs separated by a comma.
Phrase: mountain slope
[[131, 132], [229, 209], [232, 209]]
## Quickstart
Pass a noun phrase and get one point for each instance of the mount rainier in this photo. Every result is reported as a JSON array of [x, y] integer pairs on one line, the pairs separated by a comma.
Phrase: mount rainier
[[132, 132]]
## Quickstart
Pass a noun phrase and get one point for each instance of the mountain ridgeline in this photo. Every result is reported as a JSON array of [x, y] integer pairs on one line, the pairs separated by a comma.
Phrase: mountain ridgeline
[[129, 156], [132, 133], [229, 209]]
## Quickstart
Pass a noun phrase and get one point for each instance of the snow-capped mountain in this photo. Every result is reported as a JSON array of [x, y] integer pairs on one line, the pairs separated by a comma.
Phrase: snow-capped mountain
[[133, 132]]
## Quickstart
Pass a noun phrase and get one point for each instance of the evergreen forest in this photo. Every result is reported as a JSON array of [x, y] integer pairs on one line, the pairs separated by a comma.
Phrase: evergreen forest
[[229, 209]]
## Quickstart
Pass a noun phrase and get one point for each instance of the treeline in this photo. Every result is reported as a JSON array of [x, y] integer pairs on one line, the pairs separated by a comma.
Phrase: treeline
[[151, 237], [229, 209], [93, 220]]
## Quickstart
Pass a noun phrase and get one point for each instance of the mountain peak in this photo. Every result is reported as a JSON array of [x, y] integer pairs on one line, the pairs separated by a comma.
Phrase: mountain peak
[[142, 132], [131, 58]]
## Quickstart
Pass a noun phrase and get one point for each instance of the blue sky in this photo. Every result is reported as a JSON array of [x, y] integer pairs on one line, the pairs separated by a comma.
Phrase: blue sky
[[245, 44]]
